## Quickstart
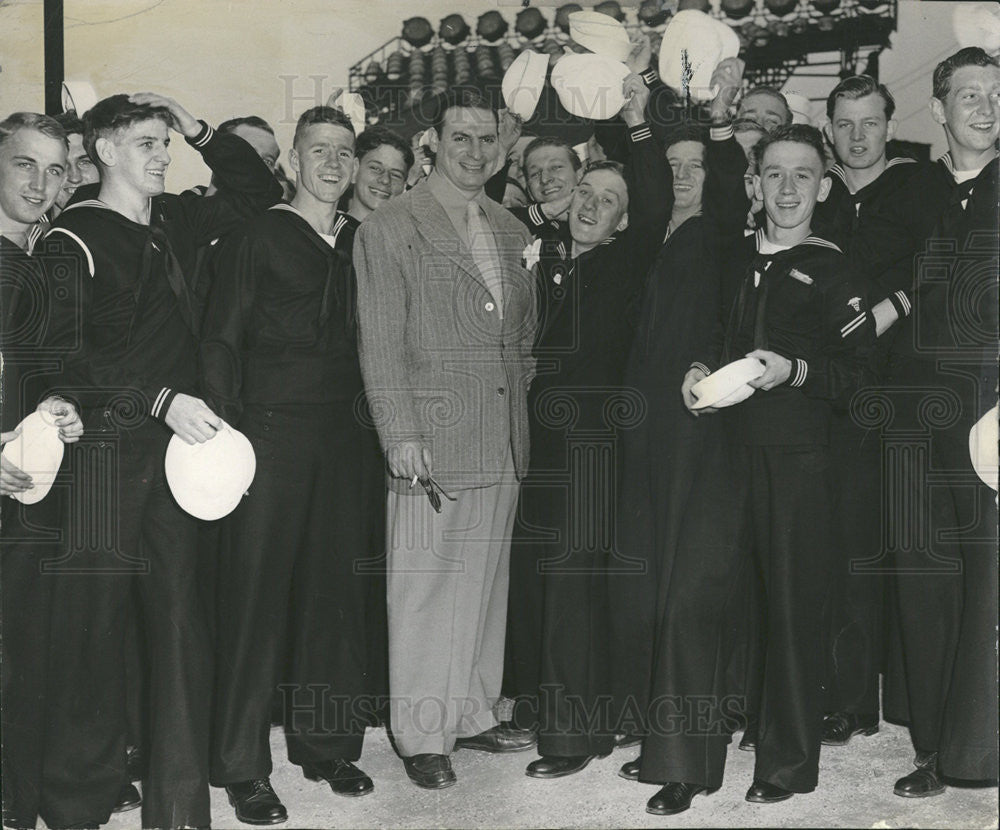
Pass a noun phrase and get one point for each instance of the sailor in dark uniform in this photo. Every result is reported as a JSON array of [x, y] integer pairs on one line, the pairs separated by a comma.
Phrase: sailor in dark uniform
[[944, 354], [660, 455], [564, 540], [135, 372], [301, 554], [44, 681], [795, 310], [863, 183]]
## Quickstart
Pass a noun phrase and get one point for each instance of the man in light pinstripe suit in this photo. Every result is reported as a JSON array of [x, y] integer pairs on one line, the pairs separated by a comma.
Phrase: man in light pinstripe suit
[[446, 322]]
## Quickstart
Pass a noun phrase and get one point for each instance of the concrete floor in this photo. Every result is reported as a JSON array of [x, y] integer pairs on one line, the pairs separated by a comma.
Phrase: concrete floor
[[492, 791]]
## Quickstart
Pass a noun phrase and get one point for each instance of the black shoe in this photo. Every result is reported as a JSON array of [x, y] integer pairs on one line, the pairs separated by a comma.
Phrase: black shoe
[[556, 766], [133, 762], [256, 803], [630, 769], [343, 777], [840, 727], [500, 738], [430, 771], [748, 743], [924, 781], [674, 798], [128, 799], [761, 792], [631, 739]]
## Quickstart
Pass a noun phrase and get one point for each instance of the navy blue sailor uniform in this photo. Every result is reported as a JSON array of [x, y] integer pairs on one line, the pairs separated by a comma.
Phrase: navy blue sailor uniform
[[302, 554], [137, 351], [681, 296], [563, 545], [48, 705], [771, 508], [942, 379], [857, 636]]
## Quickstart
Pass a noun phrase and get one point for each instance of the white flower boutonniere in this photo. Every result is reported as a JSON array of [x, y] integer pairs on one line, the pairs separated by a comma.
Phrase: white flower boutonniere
[[532, 253]]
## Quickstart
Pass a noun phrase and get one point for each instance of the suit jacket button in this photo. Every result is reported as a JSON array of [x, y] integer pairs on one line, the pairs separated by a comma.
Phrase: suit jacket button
[[489, 306], [501, 391]]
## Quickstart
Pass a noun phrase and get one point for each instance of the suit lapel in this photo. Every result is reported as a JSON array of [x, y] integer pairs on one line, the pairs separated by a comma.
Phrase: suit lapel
[[433, 224]]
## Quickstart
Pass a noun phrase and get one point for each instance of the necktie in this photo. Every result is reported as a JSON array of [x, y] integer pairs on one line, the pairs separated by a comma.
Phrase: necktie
[[484, 253]]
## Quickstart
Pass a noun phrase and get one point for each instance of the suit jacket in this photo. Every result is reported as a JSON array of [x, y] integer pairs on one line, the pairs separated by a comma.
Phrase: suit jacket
[[439, 364]]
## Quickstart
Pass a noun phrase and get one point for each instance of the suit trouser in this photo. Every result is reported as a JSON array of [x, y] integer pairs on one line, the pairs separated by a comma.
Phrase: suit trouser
[[947, 617], [48, 681], [125, 530], [774, 502], [856, 634], [447, 596], [293, 592]]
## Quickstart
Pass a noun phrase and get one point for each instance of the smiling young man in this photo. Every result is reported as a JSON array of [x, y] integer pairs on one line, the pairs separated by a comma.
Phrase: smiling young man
[[41, 679], [864, 184], [945, 348], [384, 159], [280, 360], [446, 317], [766, 106], [136, 371], [769, 503], [81, 169], [591, 275]]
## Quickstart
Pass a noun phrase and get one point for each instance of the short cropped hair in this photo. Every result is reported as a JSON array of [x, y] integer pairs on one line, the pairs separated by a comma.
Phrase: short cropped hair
[[321, 115], [375, 137], [245, 121], [462, 98], [114, 114], [798, 133], [969, 56], [45, 124], [860, 86], [774, 93], [550, 141], [70, 122]]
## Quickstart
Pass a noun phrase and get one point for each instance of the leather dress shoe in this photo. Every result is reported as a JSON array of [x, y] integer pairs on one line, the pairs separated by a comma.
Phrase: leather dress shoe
[[343, 777], [923, 781], [128, 799], [500, 738], [761, 792], [430, 771], [627, 740], [556, 766], [674, 798], [630, 769], [256, 803], [748, 743], [840, 727]]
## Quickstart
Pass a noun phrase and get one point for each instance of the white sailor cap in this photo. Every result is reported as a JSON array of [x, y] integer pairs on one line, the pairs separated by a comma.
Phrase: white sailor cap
[[208, 480], [523, 83], [37, 451], [590, 86], [600, 33]]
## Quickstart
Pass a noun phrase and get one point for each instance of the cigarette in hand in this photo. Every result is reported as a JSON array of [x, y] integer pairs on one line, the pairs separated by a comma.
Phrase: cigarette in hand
[[414, 480]]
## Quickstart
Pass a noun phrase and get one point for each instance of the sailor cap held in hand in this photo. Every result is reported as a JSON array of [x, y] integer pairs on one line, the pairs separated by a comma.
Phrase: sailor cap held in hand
[[728, 385], [693, 45], [590, 86], [601, 34], [208, 480], [38, 452], [523, 83]]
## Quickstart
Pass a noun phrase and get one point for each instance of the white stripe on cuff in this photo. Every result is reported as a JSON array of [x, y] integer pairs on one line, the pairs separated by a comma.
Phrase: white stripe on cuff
[[155, 411], [904, 301]]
